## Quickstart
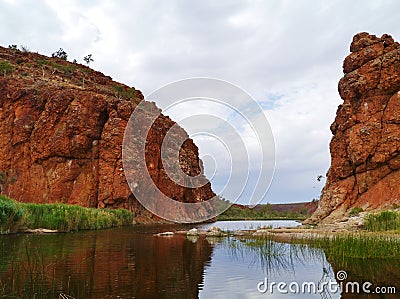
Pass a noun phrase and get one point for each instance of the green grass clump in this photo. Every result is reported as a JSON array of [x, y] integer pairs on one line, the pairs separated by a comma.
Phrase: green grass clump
[[61, 217], [383, 221], [355, 211], [360, 246], [123, 92], [42, 62], [11, 215], [66, 69], [5, 68]]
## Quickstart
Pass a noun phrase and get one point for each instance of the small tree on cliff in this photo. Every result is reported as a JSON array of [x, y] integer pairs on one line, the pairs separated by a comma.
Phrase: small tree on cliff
[[60, 54], [88, 59], [25, 49]]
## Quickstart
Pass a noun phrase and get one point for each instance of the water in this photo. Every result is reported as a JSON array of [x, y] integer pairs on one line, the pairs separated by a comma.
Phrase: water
[[250, 224], [131, 262]]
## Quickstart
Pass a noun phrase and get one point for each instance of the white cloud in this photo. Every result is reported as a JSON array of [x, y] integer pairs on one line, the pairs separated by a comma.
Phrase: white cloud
[[300, 120]]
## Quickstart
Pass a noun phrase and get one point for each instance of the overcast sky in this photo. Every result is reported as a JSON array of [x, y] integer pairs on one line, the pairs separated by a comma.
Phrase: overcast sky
[[286, 54]]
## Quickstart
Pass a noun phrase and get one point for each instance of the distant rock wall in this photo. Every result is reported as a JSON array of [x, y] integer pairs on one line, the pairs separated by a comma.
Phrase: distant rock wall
[[61, 132], [365, 146]]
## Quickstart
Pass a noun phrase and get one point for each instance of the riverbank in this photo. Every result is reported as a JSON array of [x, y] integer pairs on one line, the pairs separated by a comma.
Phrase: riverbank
[[81, 265], [282, 234], [365, 235], [361, 244], [26, 217]]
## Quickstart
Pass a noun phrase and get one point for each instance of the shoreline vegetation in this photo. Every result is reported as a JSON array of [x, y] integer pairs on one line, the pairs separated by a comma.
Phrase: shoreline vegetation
[[336, 245], [288, 211], [28, 217], [19, 217], [236, 213]]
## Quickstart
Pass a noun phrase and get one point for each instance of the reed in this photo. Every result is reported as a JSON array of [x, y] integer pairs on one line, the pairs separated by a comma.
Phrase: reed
[[383, 221], [359, 246], [61, 217], [343, 250], [11, 215]]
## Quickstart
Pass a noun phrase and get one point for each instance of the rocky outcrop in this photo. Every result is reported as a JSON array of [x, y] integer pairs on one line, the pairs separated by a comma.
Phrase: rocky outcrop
[[61, 131], [365, 164]]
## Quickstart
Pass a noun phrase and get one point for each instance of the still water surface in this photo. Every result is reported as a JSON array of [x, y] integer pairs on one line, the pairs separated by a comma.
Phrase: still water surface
[[249, 224], [131, 262]]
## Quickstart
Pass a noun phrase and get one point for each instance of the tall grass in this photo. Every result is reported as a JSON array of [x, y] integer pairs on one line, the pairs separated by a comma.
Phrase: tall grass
[[383, 221], [67, 217], [11, 215], [359, 246], [337, 247], [61, 217]]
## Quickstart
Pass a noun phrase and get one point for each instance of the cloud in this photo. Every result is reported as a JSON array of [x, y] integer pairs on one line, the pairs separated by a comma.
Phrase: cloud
[[300, 120], [38, 29]]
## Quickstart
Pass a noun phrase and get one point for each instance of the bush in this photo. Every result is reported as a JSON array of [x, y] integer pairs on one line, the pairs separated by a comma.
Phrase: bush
[[25, 49], [60, 54], [88, 59], [13, 48]]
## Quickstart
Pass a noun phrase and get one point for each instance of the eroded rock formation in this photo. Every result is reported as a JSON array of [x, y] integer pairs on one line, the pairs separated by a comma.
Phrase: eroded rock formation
[[61, 132], [365, 147]]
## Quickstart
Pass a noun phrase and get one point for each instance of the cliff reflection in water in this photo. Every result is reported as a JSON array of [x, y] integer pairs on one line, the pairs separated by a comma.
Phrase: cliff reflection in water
[[106, 264], [132, 262], [304, 263]]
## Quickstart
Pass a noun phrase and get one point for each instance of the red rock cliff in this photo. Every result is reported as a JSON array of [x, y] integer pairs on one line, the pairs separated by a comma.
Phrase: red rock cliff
[[365, 146], [61, 132]]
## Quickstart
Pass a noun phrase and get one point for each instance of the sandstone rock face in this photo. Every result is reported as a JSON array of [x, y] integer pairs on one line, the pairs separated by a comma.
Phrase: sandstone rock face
[[365, 146], [61, 132]]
